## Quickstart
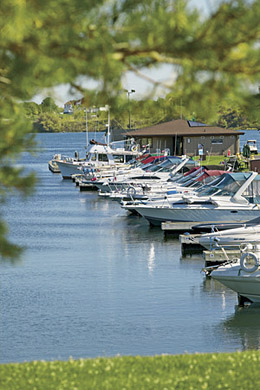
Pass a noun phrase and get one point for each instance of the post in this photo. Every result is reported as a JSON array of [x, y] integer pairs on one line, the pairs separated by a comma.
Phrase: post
[[107, 108], [86, 127], [129, 109], [108, 127]]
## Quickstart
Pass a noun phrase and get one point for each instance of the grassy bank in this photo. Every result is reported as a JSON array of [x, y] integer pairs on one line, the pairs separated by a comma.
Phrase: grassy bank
[[238, 370]]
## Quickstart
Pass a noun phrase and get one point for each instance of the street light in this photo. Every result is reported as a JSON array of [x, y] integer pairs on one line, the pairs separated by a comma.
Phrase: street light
[[107, 108], [128, 96], [89, 110]]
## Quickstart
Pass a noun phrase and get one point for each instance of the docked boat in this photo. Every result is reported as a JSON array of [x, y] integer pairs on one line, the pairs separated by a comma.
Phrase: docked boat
[[233, 197], [53, 166], [151, 174], [171, 190], [231, 238], [241, 275], [97, 155]]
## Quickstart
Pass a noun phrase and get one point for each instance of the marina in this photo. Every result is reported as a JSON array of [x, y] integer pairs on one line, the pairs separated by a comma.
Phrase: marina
[[97, 281]]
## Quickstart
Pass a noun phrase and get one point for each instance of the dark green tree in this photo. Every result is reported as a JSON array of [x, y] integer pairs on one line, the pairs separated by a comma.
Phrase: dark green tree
[[49, 105]]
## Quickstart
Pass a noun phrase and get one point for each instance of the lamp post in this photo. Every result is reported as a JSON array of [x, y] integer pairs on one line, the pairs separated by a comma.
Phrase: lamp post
[[89, 110], [128, 97], [107, 108]]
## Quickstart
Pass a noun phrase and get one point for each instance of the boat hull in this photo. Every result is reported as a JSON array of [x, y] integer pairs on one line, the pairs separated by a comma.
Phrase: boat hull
[[247, 286], [68, 169], [211, 214], [231, 238]]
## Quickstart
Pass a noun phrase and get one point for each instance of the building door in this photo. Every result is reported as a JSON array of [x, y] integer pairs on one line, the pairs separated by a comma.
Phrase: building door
[[177, 146]]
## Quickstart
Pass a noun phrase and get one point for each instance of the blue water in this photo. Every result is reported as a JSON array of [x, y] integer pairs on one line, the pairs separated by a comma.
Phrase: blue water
[[94, 281]]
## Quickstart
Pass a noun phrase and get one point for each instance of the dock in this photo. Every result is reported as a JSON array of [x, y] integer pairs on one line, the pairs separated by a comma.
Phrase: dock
[[181, 227], [190, 243], [219, 256], [87, 187], [177, 227]]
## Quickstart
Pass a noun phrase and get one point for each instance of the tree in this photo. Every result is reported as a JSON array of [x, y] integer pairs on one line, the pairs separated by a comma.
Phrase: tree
[[31, 109], [49, 105], [45, 43]]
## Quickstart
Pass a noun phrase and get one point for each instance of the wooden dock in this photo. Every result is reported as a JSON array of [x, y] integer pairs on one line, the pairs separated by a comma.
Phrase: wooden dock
[[177, 227], [219, 256]]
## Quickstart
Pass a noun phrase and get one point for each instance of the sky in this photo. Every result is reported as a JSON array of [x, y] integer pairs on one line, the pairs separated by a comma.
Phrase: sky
[[142, 86]]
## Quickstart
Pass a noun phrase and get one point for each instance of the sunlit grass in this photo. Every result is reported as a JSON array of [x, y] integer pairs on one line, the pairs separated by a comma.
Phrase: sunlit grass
[[239, 370]]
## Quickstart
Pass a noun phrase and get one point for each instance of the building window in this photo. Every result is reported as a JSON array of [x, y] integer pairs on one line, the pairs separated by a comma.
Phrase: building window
[[217, 141]]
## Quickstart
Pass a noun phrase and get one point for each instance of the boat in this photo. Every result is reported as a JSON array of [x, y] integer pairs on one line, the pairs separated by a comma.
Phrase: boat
[[53, 166], [233, 197], [241, 275], [97, 155], [151, 174], [230, 238], [172, 189]]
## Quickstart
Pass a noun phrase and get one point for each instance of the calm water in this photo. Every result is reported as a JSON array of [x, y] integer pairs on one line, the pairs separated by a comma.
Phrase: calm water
[[97, 282]]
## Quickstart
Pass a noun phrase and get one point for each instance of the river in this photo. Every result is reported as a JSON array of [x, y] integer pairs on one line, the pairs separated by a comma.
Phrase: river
[[94, 281]]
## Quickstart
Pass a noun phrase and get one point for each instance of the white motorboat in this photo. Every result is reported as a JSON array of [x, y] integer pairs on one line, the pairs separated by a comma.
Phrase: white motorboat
[[233, 197], [53, 167], [155, 174], [230, 238], [241, 275], [159, 194], [97, 155]]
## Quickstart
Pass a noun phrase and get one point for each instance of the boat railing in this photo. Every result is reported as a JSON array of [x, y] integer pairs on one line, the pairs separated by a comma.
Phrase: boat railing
[[123, 145]]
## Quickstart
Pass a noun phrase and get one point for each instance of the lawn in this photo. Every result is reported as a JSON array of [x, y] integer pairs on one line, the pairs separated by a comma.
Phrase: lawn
[[239, 370]]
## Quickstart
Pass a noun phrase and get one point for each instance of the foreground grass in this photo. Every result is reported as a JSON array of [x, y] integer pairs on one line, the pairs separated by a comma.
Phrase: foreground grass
[[240, 370]]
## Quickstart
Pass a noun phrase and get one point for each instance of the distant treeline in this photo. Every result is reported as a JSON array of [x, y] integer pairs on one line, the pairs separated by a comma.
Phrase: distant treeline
[[48, 117]]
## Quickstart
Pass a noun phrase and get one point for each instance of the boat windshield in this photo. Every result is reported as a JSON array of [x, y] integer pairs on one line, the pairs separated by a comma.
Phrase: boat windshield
[[225, 185], [252, 192], [164, 166]]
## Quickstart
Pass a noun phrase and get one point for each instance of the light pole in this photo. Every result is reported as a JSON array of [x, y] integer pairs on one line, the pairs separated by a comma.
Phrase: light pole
[[107, 108], [89, 110], [128, 97]]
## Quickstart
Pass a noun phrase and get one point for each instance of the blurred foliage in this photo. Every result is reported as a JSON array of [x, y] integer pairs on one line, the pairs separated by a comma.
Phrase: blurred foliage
[[215, 58]]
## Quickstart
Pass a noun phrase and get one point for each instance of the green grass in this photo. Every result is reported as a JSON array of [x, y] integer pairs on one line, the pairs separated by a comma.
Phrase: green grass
[[212, 160], [239, 370]]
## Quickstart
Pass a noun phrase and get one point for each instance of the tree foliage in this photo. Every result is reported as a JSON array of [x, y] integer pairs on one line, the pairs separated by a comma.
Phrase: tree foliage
[[215, 58]]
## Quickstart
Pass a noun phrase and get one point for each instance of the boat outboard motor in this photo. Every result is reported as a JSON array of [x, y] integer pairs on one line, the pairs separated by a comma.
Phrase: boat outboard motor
[[77, 155]]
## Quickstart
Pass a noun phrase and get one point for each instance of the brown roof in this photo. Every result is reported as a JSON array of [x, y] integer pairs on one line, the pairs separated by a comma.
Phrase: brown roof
[[182, 127]]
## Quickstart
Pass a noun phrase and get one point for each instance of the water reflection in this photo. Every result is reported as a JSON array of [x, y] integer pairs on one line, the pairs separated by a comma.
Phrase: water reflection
[[244, 325], [151, 258]]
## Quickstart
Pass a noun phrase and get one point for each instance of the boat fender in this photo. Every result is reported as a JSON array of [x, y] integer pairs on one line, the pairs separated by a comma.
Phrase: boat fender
[[243, 262], [131, 191]]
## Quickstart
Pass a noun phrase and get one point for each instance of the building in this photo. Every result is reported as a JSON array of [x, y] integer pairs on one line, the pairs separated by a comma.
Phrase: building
[[188, 137], [69, 107]]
